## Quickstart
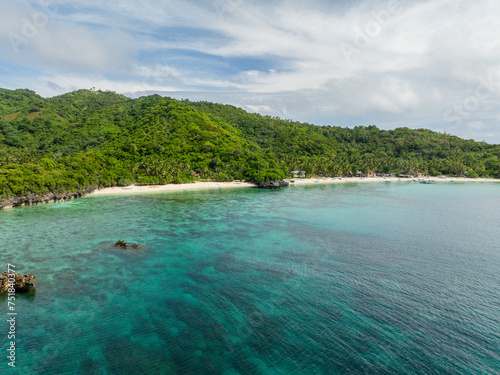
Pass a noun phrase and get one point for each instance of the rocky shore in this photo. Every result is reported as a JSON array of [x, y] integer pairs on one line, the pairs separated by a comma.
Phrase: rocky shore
[[32, 199], [273, 184]]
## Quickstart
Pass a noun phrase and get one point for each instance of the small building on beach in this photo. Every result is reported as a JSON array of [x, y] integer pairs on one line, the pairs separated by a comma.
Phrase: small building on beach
[[298, 174]]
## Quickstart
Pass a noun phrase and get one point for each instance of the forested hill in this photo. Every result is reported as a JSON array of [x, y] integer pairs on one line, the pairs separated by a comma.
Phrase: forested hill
[[334, 150], [91, 138]]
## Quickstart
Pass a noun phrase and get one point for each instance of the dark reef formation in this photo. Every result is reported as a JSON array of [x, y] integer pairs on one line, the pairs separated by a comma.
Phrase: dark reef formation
[[273, 184], [22, 283], [123, 245], [32, 199]]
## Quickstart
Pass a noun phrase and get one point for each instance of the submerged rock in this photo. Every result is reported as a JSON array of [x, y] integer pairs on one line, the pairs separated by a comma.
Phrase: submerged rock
[[22, 283], [273, 184], [123, 245]]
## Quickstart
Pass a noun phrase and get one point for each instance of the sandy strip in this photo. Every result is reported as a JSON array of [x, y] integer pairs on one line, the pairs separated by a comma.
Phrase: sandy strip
[[302, 181], [170, 187], [338, 180]]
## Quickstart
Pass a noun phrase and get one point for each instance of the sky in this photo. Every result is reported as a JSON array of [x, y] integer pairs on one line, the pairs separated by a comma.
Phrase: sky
[[416, 63]]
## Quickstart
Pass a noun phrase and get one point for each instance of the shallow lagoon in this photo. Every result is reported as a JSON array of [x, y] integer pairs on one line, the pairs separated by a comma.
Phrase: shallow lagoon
[[371, 278]]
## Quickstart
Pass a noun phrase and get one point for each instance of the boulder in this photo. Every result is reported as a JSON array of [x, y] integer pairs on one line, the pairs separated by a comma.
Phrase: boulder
[[273, 184], [121, 244], [22, 283]]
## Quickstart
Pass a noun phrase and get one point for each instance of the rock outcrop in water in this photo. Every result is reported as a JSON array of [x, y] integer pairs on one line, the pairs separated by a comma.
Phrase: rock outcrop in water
[[32, 199], [22, 283], [123, 245], [273, 184]]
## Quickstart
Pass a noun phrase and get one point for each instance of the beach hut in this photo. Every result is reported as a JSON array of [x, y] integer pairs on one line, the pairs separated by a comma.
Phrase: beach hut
[[298, 173]]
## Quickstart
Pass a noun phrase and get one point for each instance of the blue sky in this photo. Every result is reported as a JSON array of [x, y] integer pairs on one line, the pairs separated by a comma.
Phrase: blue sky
[[432, 64]]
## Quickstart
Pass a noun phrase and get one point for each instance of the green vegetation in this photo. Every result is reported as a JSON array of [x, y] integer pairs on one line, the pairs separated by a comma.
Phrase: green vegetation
[[333, 150], [92, 138]]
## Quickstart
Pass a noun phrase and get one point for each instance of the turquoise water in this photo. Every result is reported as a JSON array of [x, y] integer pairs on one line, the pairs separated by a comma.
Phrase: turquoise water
[[340, 279]]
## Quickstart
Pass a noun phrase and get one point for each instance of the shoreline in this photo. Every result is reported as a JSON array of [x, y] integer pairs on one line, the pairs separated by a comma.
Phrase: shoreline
[[133, 189]]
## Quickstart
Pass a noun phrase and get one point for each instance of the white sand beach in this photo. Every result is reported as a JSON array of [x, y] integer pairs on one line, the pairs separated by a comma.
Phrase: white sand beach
[[350, 180], [297, 181], [133, 189]]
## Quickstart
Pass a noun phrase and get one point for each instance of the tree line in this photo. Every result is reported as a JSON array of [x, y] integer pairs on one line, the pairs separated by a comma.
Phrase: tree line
[[91, 138]]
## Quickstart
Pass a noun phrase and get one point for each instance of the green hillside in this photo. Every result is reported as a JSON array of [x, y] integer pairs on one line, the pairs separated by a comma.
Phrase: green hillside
[[326, 150], [98, 139], [88, 138]]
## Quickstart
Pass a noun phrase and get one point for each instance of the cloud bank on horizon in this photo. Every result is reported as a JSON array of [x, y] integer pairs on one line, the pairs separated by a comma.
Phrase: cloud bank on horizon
[[421, 64]]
